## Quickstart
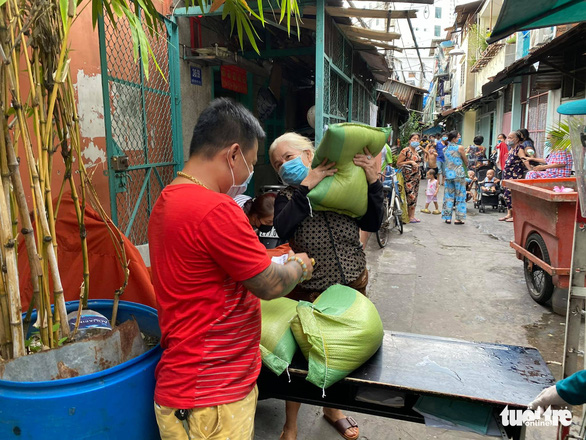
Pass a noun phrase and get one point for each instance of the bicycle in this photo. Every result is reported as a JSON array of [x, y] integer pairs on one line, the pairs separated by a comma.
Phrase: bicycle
[[391, 208]]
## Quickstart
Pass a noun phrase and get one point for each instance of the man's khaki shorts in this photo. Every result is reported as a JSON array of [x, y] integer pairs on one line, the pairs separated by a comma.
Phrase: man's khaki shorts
[[232, 421]]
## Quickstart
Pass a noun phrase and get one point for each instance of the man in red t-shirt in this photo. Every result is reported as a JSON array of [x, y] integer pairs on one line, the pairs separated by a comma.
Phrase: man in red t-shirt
[[208, 270]]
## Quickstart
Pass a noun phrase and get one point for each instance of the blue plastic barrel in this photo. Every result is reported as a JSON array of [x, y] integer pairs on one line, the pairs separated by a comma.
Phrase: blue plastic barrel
[[116, 403]]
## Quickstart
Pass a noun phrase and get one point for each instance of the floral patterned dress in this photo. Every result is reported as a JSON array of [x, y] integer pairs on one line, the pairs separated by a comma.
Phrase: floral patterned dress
[[514, 169], [455, 185], [411, 175]]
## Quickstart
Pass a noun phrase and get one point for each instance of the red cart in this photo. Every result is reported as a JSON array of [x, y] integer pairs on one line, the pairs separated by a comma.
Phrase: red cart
[[544, 225]]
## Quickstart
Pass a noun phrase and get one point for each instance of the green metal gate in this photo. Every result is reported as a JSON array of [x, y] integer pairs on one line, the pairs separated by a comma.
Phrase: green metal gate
[[339, 95], [143, 123]]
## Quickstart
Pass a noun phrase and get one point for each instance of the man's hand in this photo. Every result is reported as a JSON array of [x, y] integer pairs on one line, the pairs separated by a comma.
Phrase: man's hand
[[319, 173], [279, 279], [368, 164], [548, 397]]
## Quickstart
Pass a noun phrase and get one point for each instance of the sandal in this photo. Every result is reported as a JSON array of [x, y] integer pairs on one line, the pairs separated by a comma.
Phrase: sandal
[[504, 219], [436, 212], [458, 222], [342, 425], [510, 220], [449, 222], [426, 211]]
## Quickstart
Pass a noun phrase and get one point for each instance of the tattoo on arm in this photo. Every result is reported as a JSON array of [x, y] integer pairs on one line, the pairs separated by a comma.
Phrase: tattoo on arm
[[275, 281]]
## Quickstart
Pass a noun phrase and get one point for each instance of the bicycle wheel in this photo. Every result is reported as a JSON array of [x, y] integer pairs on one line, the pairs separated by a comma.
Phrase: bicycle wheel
[[396, 214], [397, 222], [382, 234]]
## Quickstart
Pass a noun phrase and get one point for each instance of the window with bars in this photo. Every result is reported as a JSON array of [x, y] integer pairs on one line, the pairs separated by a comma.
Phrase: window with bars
[[534, 119]]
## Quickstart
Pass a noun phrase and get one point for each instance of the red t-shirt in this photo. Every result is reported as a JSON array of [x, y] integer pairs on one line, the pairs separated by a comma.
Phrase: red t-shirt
[[503, 154], [201, 248]]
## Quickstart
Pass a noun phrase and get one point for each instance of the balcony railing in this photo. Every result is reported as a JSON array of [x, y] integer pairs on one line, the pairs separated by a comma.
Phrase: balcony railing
[[488, 54]]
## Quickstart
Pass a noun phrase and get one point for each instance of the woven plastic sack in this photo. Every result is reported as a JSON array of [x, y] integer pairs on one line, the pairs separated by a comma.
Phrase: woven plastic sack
[[346, 192], [277, 344], [337, 333]]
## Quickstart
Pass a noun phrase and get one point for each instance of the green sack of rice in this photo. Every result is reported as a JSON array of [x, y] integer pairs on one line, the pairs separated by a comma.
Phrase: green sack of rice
[[277, 344], [337, 333], [346, 192]]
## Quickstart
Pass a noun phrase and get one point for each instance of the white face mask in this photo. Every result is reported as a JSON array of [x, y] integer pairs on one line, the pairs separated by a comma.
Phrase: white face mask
[[236, 190]]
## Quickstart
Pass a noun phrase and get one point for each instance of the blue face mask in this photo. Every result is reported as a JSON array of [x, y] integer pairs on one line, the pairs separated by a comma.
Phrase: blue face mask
[[445, 138], [236, 190], [547, 144], [459, 141], [294, 171], [414, 144]]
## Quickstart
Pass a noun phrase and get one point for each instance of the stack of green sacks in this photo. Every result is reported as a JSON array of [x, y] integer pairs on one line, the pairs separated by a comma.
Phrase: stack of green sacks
[[346, 192], [277, 344], [337, 333]]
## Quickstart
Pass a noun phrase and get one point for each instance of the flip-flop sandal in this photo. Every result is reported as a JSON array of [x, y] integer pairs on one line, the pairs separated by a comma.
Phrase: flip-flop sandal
[[503, 219], [414, 221], [510, 220], [342, 425], [449, 222], [458, 223]]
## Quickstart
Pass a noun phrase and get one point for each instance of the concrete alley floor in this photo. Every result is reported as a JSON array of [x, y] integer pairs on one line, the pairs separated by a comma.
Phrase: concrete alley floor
[[444, 280]]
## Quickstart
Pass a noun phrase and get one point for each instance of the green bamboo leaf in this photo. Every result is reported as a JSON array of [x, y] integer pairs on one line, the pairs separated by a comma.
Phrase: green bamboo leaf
[[97, 11], [154, 58], [109, 13], [133, 31], [281, 5], [247, 28], [226, 9], [117, 9], [144, 49], [288, 17], [260, 15], [56, 326], [239, 27], [2, 2], [63, 6]]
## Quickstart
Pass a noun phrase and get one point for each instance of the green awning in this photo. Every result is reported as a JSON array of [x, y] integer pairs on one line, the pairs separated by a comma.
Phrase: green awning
[[522, 15]]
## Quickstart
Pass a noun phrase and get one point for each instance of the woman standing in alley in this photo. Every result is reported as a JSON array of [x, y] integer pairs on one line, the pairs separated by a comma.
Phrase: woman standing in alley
[[409, 161], [515, 168], [455, 192]]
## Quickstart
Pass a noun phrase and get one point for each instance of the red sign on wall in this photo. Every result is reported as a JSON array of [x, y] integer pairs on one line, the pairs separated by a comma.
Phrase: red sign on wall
[[234, 78]]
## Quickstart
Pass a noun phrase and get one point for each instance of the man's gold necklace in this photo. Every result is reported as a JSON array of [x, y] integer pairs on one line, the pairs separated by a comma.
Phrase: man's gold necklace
[[190, 177]]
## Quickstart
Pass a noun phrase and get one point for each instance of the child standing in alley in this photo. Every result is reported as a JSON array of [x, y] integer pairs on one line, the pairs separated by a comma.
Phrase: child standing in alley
[[431, 192]]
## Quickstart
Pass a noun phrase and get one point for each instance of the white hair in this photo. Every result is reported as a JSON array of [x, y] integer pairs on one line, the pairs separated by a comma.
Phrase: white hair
[[295, 141]]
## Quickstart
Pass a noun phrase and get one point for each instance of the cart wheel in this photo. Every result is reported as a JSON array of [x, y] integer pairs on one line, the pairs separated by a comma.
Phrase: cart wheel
[[539, 282]]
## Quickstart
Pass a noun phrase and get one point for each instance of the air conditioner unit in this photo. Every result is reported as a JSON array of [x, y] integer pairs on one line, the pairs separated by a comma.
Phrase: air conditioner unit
[[541, 36], [447, 86], [448, 99]]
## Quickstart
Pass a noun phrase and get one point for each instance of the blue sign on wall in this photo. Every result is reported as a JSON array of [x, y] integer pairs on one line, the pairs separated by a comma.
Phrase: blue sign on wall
[[196, 76]]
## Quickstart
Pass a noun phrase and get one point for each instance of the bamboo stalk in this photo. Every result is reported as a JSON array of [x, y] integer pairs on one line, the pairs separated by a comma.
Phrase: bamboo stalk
[[72, 123], [60, 308], [11, 279], [5, 341], [27, 230]]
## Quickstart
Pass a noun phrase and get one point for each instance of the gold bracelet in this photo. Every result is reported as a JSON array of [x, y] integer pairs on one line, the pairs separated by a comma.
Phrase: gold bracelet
[[303, 267]]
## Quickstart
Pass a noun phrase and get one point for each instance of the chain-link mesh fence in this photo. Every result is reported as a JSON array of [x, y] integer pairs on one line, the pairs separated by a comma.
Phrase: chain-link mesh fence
[[141, 127]]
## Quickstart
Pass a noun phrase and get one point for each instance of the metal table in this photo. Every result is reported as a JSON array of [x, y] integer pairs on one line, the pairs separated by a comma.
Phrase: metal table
[[416, 365]]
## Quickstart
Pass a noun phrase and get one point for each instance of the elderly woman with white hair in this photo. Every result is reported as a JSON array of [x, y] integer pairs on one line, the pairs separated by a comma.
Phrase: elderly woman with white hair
[[332, 239]]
